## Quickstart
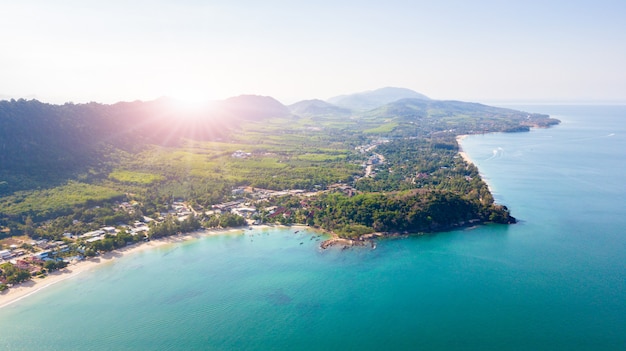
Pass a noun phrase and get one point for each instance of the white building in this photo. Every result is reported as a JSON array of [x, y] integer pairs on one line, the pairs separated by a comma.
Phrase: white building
[[93, 234], [5, 254]]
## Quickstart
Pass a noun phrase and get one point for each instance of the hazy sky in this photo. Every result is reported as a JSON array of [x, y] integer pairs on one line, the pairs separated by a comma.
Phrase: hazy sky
[[107, 51]]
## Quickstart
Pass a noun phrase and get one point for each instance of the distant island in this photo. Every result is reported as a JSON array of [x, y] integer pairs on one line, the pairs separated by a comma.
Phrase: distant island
[[78, 180]]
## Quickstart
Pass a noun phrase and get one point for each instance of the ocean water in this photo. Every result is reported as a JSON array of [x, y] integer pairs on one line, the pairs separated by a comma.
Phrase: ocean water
[[554, 281]]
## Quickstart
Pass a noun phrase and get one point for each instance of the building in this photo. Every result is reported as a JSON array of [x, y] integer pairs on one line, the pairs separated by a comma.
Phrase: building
[[245, 212], [241, 154], [93, 234], [140, 230], [43, 255], [5, 254], [110, 230]]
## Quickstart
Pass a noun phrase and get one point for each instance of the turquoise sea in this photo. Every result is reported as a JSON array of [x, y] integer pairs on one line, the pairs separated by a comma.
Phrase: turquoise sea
[[554, 281]]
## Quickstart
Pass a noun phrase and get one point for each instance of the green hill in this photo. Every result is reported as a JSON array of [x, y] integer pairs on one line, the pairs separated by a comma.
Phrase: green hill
[[72, 161], [318, 108]]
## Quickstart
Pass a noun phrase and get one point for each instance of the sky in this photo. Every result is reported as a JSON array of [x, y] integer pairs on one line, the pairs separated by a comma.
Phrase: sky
[[60, 51]]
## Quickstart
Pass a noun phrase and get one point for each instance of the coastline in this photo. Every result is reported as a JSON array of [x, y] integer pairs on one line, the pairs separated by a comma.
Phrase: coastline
[[462, 153], [467, 159], [35, 284]]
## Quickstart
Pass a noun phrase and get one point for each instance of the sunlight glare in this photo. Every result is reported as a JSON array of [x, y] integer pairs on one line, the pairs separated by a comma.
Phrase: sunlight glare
[[190, 102]]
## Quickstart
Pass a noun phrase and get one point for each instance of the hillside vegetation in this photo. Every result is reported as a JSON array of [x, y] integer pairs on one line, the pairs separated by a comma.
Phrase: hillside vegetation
[[399, 161]]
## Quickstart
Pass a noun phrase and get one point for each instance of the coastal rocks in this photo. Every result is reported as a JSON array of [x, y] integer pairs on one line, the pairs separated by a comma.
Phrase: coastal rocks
[[346, 243], [362, 241], [336, 241]]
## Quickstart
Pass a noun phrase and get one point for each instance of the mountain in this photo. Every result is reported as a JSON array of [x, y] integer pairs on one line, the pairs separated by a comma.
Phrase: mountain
[[250, 107], [317, 108], [70, 139], [368, 100], [44, 144], [457, 116]]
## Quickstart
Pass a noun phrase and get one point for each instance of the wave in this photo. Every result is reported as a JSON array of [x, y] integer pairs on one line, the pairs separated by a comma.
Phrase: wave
[[497, 153]]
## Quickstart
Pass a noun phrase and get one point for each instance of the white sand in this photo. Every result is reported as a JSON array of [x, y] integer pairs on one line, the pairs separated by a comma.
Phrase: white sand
[[461, 152]]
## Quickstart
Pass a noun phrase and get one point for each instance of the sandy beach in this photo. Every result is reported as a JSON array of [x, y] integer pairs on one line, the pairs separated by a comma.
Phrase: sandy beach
[[34, 285], [467, 159], [461, 152]]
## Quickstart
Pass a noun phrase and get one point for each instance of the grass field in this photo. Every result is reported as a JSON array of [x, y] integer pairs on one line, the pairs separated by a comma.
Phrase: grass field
[[135, 177], [383, 129], [45, 202]]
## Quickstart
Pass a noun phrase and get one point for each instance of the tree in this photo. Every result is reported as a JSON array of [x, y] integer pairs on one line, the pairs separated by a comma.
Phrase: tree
[[52, 265], [19, 276], [29, 226], [190, 224]]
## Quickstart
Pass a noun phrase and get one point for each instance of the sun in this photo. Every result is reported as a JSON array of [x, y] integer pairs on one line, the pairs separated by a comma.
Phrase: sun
[[190, 102]]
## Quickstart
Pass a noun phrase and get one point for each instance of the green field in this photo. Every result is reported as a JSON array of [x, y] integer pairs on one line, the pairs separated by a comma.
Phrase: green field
[[135, 177], [383, 129], [130, 155], [43, 203]]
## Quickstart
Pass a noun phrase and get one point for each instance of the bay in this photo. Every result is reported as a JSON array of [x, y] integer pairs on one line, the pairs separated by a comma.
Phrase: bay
[[555, 280]]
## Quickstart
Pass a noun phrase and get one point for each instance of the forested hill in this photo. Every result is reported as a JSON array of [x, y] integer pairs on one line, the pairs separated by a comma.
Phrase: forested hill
[[68, 168], [318, 108], [44, 145], [415, 117], [368, 100]]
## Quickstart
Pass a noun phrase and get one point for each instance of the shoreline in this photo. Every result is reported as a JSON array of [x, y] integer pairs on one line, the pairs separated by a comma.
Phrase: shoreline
[[462, 153], [467, 159], [35, 284]]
